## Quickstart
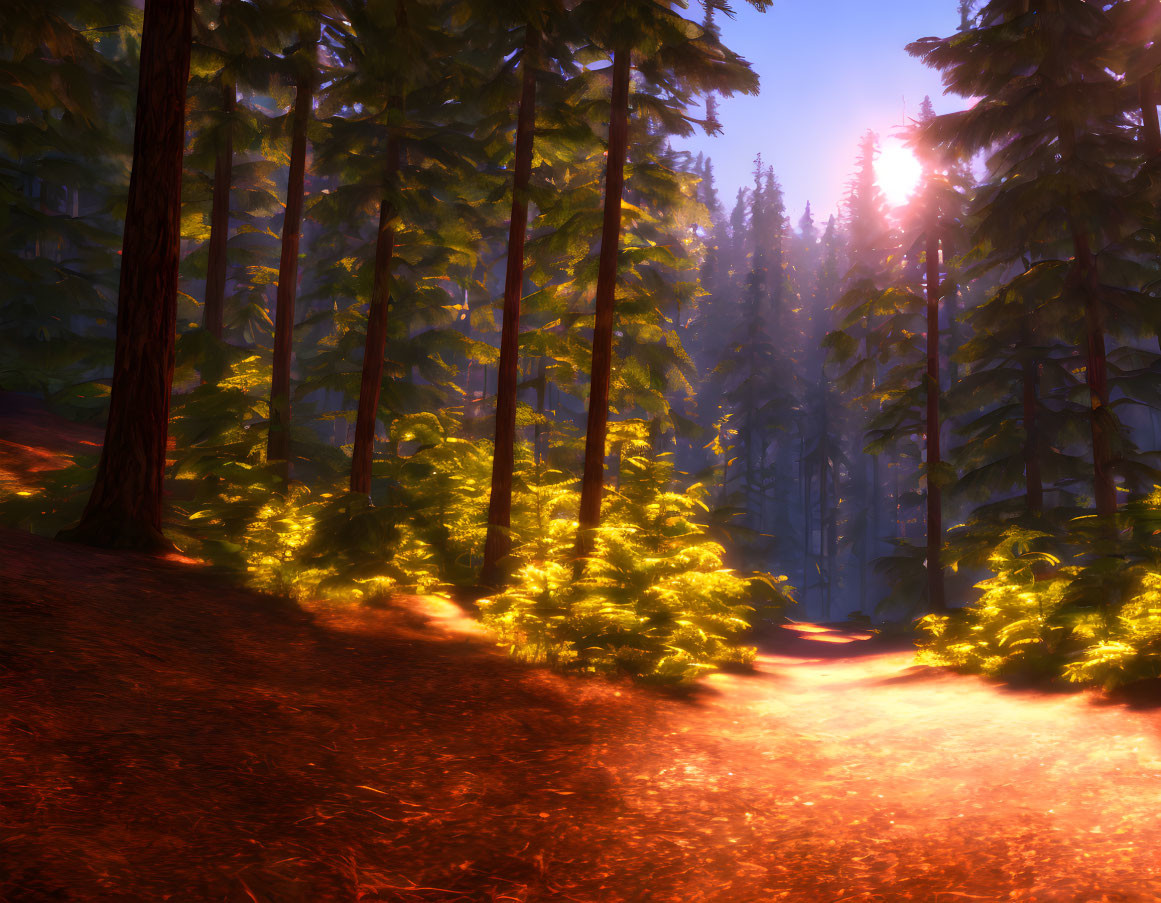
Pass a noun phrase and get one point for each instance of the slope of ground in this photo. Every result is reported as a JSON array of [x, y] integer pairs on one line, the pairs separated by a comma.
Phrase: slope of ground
[[33, 440], [166, 737]]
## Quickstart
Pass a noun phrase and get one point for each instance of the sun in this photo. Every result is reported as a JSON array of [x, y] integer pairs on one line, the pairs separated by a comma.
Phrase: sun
[[897, 172]]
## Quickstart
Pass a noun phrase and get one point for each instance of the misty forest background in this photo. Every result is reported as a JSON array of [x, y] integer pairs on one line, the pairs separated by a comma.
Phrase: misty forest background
[[947, 411]]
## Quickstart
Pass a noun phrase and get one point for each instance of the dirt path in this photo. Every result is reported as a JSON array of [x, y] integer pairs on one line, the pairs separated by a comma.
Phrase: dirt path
[[166, 737]]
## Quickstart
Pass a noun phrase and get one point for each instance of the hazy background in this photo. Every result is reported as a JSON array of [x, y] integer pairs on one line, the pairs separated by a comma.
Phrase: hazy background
[[830, 69]]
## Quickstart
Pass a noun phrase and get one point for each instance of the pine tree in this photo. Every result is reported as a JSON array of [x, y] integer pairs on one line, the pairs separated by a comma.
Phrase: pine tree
[[683, 60], [497, 543], [1071, 121], [64, 150], [124, 510], [302, 62]]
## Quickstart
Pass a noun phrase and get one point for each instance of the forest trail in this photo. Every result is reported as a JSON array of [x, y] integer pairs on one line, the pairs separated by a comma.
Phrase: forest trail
[[167, 737]]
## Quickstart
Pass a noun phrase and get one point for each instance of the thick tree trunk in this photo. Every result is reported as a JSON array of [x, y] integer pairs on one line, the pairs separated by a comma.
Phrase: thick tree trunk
[[498, 542], [592, 481], [1033, 484], [935, 584], [124, 510], [278, 441], [213, 313], [375, 347]]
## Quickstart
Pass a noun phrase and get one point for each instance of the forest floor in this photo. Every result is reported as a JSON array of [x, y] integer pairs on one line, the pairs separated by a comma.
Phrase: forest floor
[[165, 736]]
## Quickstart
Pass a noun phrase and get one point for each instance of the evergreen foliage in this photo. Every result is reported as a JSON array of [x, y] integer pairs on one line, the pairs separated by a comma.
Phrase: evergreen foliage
[[712, 390]]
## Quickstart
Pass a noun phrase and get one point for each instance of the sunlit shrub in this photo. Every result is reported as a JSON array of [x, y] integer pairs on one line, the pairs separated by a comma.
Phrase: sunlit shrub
[[1013, 627], [1125, 646], [654, 600]]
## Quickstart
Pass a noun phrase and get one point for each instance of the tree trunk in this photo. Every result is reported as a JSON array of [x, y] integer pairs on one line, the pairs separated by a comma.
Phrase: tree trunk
[[213, 313], [375, 347], [935, 584], [278, 441], [807, 527], [498, 542], [1096, 369], [1096, 375], [1033, 485], [538, 429], [592, 481], [124, 510], [824, 575]]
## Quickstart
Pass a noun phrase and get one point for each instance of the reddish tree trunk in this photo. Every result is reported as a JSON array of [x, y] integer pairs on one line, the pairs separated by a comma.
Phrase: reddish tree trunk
[[124, 510], [498, 542], [1033, 484], [278, 441], [371, 381], [935, 584], [592, 482], [213, 313]]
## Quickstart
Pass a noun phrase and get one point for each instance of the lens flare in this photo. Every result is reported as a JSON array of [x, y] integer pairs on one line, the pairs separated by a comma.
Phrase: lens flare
[[897, 172]]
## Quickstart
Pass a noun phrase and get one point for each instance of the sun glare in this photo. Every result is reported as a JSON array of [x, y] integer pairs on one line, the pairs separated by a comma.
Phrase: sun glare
[[897, 171]]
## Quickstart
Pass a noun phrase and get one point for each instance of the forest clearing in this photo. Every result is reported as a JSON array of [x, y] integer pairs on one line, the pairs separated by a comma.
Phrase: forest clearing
[[165, 738], [491, 450]]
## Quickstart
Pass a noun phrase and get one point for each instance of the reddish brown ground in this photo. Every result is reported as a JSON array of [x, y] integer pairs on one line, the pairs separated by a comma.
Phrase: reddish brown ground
[[164, 736], [32, 440]]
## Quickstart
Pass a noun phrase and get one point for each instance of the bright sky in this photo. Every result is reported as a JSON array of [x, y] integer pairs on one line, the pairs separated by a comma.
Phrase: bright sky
[[830, 69]]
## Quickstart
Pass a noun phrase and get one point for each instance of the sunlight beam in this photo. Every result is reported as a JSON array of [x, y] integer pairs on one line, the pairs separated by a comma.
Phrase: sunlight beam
[[897, 171]]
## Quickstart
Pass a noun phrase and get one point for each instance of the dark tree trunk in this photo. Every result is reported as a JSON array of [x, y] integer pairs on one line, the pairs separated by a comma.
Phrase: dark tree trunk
[[371, 380], [592, 482], [935, 584], [805, 479], [213, 314], [124, 510], [1096, 368], [498, 542], [278, 442], [1033, 485], [823, 564], [1096, 375], [832, 570]]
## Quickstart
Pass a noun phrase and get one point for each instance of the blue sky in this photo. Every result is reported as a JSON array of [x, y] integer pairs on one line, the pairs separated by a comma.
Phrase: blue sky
[[830, 69]]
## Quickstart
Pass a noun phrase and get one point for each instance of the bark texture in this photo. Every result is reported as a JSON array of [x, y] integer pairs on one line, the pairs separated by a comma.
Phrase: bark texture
[[592, 481], [498, 542], [278, 441], [371, 381], [124, 510]]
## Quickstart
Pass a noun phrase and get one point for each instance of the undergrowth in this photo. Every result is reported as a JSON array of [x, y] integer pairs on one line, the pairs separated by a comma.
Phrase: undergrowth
[[1079, 603], [656, 599]]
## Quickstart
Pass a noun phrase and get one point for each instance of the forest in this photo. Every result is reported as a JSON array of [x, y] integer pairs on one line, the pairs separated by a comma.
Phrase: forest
[[361, 344]]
